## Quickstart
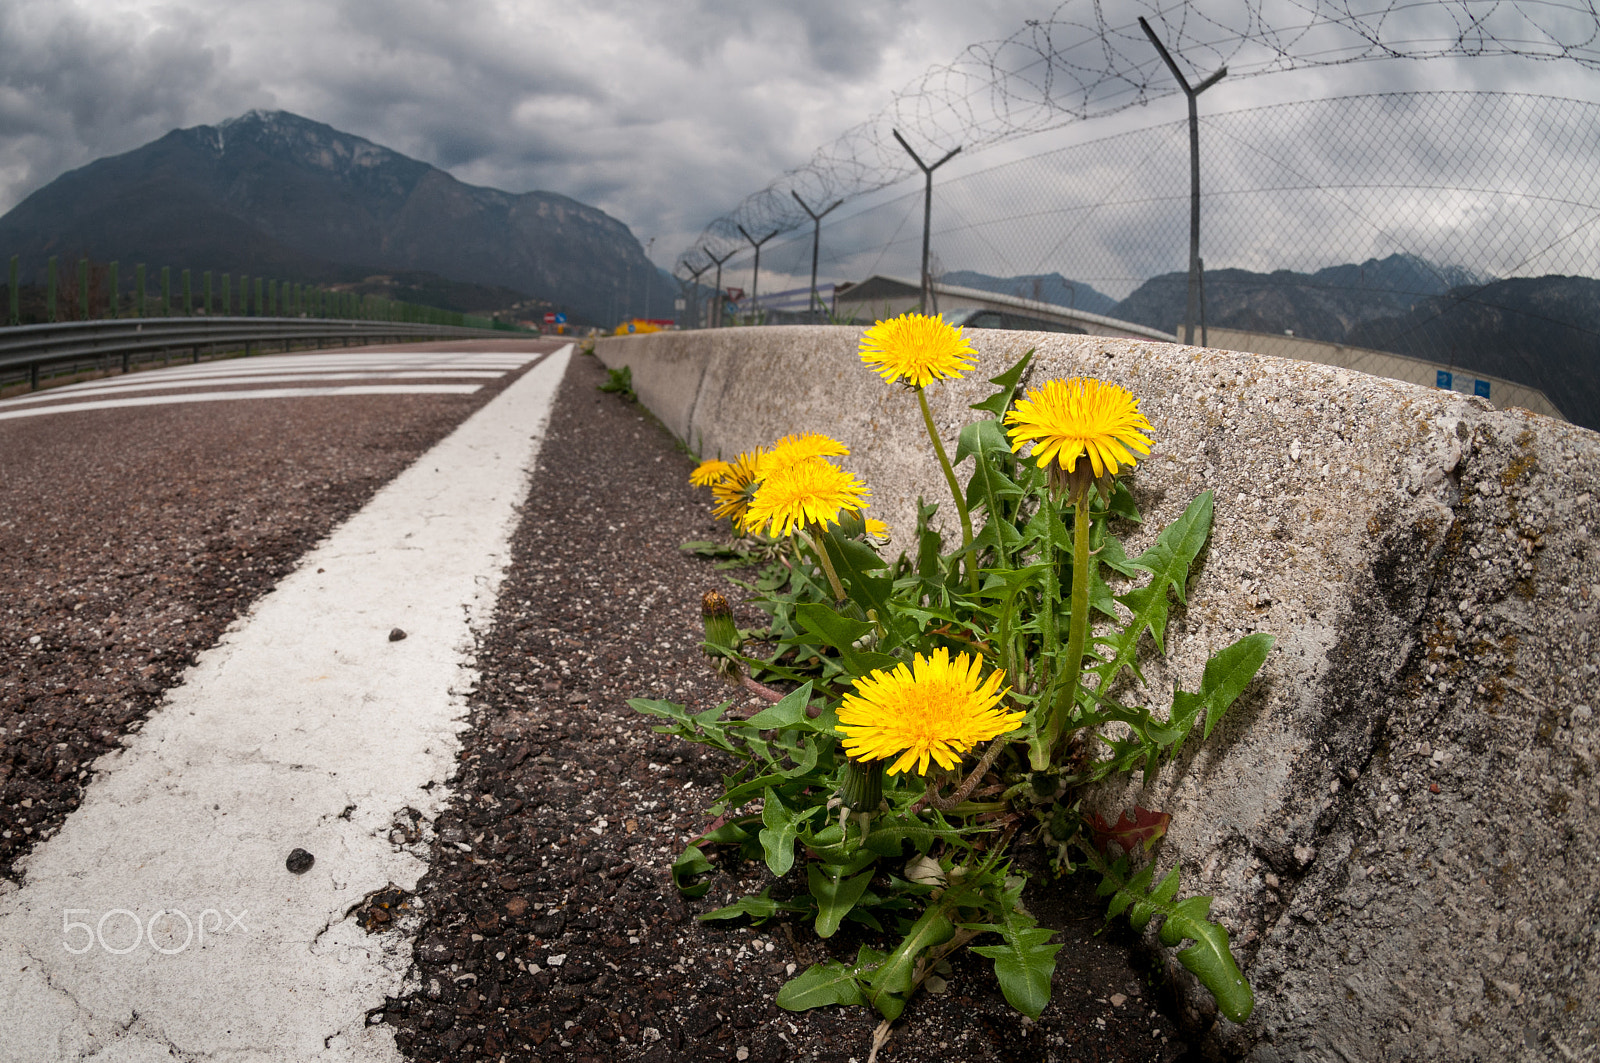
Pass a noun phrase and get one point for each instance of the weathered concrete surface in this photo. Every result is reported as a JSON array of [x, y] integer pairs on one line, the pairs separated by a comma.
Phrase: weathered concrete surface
[[1427, 565]]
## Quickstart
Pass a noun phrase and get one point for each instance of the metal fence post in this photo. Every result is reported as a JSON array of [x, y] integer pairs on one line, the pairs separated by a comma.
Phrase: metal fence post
[[816, 240], [755, 273], [1194, 172], [927, 212], [718, 305]]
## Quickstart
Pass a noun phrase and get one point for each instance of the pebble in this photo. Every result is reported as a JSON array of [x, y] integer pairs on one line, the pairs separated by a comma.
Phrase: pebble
[[299, 861], [396, 634]]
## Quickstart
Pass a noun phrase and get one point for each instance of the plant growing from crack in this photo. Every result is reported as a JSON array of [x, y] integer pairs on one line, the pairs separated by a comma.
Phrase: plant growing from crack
[[867, 772]]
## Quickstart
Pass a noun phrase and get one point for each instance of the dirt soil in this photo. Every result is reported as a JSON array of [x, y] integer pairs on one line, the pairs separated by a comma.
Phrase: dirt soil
[[549, 925]]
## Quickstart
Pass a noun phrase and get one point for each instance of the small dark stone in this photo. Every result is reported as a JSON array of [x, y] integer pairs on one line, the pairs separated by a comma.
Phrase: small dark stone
[[395, 635], [299, 861]]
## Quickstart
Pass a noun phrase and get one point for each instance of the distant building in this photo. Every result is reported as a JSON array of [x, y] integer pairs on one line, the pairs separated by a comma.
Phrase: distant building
[[879, 297], [1497, 390]]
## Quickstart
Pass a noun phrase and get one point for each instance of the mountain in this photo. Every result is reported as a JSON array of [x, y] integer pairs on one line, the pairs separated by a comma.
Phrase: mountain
[[1539, 331], [1323, 305], [1041, 287], [273, 194]]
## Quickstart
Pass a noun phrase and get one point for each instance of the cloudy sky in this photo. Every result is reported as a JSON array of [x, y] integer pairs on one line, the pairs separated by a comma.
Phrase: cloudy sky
[[665, 114]]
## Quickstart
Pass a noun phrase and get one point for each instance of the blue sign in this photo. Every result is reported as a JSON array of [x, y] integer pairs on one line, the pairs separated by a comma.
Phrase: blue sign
[[1444, 379], [561, 319], [1480, 387]]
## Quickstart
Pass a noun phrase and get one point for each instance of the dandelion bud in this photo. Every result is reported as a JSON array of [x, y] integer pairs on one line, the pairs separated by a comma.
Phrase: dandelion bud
[[863, 785], [718, 617], [852, 525]]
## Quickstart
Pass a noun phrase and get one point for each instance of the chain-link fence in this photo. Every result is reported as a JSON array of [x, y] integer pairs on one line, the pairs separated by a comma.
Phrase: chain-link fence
[[1458, 227]]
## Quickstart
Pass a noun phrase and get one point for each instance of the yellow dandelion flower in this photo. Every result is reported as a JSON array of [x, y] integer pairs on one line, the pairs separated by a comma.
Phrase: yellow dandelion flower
[[709, 472], [797, 447], [917, 349], [1066, 419], [811, 491], [877, 530], [934, 708], [732, 493]]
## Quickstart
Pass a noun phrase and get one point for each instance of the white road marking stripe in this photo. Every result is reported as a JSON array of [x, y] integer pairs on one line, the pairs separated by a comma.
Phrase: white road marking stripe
[[305, 727], [140, 384], [257, 393]]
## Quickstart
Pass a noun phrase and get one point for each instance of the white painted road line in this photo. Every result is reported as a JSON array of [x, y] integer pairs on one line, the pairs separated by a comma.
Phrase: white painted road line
[[235, 396], [305, 727], [137, 384]]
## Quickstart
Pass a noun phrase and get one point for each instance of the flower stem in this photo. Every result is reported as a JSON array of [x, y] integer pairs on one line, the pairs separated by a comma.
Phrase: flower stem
[[1067, 692], [1039, 748], [815, 543], [955, 491], [945, 804]]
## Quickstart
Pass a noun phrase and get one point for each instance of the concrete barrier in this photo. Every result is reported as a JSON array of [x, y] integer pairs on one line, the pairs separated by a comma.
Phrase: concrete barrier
[[1399, 818]]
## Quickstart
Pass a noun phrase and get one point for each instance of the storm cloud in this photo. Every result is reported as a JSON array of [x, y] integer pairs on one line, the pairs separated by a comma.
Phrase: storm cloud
[[664, 115]]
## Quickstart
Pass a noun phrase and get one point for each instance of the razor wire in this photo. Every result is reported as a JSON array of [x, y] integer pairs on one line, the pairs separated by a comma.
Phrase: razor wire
[[1076, 64], [1371, 220]]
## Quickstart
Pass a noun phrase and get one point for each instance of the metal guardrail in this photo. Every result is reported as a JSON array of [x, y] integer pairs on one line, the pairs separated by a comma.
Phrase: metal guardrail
[[34, 346]]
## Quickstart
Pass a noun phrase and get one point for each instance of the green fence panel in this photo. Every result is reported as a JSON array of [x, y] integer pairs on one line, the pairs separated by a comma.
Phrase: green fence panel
[[113, 292], [141, 305], [83, 289], [166, 291], [188, 296], [205, 280], [50, 289]]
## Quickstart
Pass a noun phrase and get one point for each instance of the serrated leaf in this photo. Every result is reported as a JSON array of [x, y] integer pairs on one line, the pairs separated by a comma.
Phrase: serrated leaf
[[979, 437], [759, 907], [1228, 672], [1024, 965], [820, 985], [1209, 958], [827, 983], [997, 404], [688, 867], [780, 825], [1026, 962], [835, 894], [841, 633], [790, 712], [890, 985], [1121, 504], [1168, 561]]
